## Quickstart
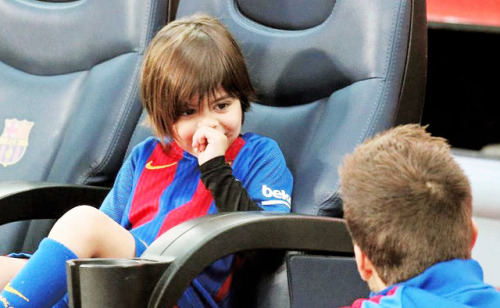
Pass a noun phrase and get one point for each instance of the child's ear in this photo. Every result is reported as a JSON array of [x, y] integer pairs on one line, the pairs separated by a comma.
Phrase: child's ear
[[364, 265], [475, 231]]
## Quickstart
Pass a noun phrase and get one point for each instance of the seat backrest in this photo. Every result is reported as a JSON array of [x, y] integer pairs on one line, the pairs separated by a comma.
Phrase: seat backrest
[[328, 76], [69, 86]]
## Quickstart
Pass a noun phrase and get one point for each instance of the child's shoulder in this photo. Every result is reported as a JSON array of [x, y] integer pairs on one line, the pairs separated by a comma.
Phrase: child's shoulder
[[262, 148], [259, 140]]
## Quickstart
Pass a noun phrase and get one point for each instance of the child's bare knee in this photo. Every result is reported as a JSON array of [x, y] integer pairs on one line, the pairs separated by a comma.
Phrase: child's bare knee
[[88, 232], [79, 221], [82, 215], [82, 211]]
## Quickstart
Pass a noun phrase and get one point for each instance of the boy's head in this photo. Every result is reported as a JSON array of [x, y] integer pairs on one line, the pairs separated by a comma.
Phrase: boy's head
[[407, 203], [191, 57]]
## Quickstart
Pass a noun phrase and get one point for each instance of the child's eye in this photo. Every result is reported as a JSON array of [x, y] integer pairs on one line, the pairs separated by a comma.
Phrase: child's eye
[[188, 112], [221, 106]]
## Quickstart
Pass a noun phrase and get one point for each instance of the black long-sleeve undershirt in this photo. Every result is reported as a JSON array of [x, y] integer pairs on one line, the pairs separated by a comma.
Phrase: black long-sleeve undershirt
[[228, 193]]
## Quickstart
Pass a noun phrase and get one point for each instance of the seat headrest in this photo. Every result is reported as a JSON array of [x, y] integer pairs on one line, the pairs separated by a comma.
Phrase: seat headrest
[[69, 36], [287, 14], [332, 44]]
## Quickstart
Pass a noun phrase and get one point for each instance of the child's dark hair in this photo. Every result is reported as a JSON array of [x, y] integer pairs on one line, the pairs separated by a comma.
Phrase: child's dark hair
[[191, 56], [407, 203]]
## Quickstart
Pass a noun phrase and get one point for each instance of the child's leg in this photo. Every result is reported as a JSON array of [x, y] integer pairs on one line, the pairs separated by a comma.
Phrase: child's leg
[[83, 232], [9, 267], [90, 233]]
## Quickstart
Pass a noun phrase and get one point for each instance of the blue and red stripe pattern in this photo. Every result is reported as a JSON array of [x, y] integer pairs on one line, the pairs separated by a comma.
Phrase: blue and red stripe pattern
[[159, 187], [456, 283], [374, 301]]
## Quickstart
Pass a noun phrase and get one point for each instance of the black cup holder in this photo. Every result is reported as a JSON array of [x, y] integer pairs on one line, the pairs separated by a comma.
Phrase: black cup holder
[[95, 283]]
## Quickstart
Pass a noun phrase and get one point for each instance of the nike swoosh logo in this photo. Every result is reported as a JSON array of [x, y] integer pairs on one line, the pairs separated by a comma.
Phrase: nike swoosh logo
[[150, 166], [10, 289]]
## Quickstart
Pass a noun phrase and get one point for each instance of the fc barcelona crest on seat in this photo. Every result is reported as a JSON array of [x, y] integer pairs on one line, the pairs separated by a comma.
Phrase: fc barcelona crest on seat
[[14, 141]]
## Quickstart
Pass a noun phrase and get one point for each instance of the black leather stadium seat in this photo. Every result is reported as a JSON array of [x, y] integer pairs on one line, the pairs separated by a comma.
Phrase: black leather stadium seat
[[68, 104]]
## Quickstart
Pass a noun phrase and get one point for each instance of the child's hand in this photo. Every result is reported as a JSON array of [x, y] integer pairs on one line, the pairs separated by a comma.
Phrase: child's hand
[[209, 143]]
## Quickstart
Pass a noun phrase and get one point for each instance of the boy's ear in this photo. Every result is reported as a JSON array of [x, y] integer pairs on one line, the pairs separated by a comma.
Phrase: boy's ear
[[364, 265], [475, 231]]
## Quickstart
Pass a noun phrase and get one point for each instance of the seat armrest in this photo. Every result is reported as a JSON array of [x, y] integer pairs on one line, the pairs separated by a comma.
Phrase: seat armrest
[[21, 200], [193, 245]]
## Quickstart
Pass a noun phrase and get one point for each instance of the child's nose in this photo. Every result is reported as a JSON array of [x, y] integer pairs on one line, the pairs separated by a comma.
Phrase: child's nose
[[208, 121]]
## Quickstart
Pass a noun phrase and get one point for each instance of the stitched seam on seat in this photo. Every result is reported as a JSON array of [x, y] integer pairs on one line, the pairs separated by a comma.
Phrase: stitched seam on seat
[[42, 5], [126, 108], [144, 39], [375, 107], [69, 72], [112, 140], [391, 67], [149, 24], [375, 110]]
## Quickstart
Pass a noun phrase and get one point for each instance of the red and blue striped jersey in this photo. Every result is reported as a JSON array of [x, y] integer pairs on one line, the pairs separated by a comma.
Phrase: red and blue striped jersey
[[159, 187], [457, 283]]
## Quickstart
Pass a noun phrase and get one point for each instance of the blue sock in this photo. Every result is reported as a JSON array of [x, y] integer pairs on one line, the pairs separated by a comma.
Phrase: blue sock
[[42, 281]]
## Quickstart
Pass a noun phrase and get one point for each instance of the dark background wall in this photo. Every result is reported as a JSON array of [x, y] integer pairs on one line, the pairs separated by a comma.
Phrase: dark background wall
[[463, 85]]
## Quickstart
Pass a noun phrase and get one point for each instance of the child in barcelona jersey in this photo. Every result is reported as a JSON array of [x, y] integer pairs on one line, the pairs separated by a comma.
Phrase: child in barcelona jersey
[[195, 88], [408, 207]]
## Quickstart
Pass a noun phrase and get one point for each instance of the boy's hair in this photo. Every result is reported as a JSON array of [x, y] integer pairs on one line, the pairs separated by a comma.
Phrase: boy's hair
[[191, 56], [407, 203]]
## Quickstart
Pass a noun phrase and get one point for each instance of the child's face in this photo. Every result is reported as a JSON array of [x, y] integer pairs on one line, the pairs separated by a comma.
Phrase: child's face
[[221, 113]]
